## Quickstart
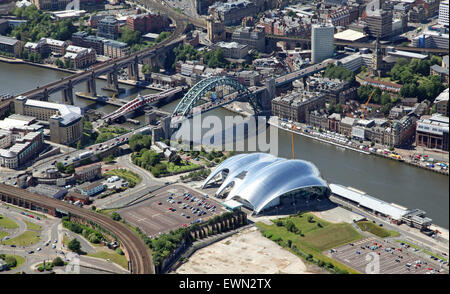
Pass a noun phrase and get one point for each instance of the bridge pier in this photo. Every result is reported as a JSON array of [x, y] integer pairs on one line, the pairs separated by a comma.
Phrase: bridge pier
[[91, 88], [133, 71], [67, 97], [112, 82]]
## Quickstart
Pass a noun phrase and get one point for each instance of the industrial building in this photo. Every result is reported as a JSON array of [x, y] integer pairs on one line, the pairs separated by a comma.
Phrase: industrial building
[[260, 181], [390, 211], [432, 132]]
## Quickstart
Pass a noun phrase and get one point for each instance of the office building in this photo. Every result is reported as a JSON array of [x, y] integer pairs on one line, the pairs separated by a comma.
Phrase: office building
[[11, 45], [231, 13], [253, 38], [443, 13], [66, 124], [379, 23], [432, 132], [297, 104], [108, 27], [80, 57], [322, 42], [441, 103], [115, 49], [148, 22], [232, 49], [82, 39]]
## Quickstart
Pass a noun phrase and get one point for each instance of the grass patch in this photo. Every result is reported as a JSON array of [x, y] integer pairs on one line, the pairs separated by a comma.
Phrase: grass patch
[[7, 223], [423, 250], [370, 227], [26, 239], [19, 259], [315, 238], [32, 226], [3, 234], [131, 177], [107, 211], [185, 167], [113, 256]]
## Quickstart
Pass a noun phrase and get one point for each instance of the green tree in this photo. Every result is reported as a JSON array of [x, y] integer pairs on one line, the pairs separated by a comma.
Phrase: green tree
[[116, 216], [11, 261], [58, 261], [60, 166], [74, 245]]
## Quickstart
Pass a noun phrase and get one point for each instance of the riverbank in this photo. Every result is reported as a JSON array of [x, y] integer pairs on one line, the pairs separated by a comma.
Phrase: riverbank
[[274, 121], [47, 66]]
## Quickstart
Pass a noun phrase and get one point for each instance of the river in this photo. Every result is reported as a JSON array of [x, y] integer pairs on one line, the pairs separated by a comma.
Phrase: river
[[385, 179]]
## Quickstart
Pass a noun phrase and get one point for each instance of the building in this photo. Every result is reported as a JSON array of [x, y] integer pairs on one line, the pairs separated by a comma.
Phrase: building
[[441, 103], [322, 42], [346, 126], [391, 212], [108, 27], [20, 140], [66, 124], [443, 13], [335, 90], [431, 39], [232, 49], [115, 49], [432, 132], [88, 172], [80, 57], [261, 181], [82, 39], [11, 46], [379, 23], [297, 105], [90, 189], [148, 22], [49, 191], [232, 13], [47, 46], [3, 265], [75, 196], [4, 25], [253, 38], [318, 119], [215, 30], [51, 4]]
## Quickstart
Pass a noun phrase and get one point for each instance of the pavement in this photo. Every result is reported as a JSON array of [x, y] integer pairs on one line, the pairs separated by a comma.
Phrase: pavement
[[147, 184]]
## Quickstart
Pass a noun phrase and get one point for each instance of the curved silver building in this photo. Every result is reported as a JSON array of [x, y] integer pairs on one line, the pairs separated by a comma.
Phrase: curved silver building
[[261, 181]]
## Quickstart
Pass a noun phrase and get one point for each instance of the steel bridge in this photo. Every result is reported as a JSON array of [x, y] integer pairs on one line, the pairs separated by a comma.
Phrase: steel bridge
[[199, 90], [140, 101]]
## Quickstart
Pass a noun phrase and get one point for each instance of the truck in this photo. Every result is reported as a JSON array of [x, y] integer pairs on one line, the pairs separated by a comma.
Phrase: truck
[[85, 154]]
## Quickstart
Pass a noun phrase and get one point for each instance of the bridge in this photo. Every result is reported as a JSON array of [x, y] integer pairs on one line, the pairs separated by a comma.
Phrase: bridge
[[257, 96], [357, 44], [154, 55], [140, 101]]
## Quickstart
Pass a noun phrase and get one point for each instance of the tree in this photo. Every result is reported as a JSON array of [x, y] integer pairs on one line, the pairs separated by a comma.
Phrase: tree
[[11, 261], [116, 216], [59, 63], [60, 166], [58, 261], [70, 169], [74, 245]]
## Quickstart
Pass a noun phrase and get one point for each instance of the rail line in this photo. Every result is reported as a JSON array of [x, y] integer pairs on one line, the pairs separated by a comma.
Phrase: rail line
[[138, 253]]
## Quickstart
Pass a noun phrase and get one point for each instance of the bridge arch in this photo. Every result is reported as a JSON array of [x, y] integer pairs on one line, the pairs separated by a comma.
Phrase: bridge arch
[[194, 94]]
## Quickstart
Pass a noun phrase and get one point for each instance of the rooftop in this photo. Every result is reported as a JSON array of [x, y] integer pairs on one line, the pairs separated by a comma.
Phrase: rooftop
[[8, 40], [349, 35]]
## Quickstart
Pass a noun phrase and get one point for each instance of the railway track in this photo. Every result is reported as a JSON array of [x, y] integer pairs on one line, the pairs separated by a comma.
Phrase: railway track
[[138, 254]]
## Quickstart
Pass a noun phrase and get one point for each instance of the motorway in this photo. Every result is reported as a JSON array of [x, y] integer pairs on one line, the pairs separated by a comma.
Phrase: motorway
[[137, 252]]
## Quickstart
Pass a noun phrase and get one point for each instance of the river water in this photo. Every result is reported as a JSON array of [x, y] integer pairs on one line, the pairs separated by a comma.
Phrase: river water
[[385, 179]]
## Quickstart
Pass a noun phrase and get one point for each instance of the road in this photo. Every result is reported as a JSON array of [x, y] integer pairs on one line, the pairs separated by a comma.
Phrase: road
[[147, 183], [137, 251], [432, 244]]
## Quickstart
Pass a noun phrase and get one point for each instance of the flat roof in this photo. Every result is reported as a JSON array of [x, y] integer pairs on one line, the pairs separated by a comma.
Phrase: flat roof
[[232, 204], [394, 211], [408, 54], [349, 35]]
